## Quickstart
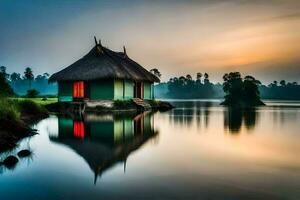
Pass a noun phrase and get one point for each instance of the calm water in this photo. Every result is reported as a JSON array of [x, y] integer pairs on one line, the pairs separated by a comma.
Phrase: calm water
[[199, 150]]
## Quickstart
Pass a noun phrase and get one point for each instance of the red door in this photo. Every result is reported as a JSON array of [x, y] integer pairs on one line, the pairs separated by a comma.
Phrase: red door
[[78, 89]]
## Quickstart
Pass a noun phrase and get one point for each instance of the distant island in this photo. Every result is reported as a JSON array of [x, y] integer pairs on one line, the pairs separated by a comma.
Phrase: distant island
[[241, 92]]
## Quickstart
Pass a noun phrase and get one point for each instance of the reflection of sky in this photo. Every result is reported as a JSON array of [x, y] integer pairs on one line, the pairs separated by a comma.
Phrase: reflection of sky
[[257, 37], [186, 160]]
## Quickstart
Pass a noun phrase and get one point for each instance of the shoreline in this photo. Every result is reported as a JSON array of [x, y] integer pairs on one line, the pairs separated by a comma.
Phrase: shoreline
[[106, 107], [16, 119]]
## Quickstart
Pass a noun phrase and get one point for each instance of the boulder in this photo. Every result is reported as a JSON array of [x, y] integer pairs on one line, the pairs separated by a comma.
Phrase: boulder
[[24, 153], [10, 162]]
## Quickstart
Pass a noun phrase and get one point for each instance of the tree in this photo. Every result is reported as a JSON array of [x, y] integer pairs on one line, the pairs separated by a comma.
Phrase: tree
[[46, 75], [189, 77], [156, 72], [15, 77], [3, 72], [206, 76], [239, 91], [282, 83], [198, 77], [251, 88], [32, 93], [28, 75], [5, 89]]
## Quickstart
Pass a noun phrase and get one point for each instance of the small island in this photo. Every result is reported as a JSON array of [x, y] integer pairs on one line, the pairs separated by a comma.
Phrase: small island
[[241, 92]]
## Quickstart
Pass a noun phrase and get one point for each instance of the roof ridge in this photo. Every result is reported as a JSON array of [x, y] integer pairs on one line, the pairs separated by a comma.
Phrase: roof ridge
[[106, 64]]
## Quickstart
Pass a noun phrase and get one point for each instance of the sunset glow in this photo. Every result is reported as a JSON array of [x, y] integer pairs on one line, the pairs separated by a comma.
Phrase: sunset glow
[[258, 37]]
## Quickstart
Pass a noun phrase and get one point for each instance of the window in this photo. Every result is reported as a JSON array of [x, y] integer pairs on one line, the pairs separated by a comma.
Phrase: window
[[78, 90], [78, 129]]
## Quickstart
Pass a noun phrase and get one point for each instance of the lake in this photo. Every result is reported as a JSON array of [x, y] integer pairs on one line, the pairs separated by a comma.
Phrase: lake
[[199, 150]]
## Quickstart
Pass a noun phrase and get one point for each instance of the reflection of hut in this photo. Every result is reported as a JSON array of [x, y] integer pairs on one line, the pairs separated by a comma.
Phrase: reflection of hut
[[105, 140]]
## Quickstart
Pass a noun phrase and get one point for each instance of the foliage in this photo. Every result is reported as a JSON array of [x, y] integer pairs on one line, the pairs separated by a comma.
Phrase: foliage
[[31, 108], [156, 72], [28, 75], [9, 110], [32, 93], [20, 84], [185, 87], [5, 89], [286, 90], [239, 91], [121, 104], [15, 77]]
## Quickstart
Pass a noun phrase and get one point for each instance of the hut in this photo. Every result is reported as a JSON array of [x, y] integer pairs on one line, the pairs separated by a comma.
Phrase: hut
[[103, 74]]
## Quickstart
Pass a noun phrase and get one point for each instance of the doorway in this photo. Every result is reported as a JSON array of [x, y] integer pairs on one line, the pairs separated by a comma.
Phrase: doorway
[[139, 90]]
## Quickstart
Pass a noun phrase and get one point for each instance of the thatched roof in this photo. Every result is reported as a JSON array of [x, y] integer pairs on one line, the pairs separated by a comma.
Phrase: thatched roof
[[103, 63]]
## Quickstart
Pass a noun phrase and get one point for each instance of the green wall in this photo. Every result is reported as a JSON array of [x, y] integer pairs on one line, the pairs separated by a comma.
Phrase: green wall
[[129, 87], [123, 89], [103, 89], [65, 91], [147, 90], [118, 89]]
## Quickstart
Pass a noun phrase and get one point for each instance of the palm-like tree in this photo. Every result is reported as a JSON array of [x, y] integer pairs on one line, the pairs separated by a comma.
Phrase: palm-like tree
[[28, 75]]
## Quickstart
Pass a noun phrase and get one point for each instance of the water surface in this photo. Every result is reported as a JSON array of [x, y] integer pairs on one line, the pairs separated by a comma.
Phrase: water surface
[[199, 150]]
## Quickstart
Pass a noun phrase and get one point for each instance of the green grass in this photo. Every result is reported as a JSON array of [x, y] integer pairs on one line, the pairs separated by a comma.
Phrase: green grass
[[38, 101], [13, 108], [9, 109]]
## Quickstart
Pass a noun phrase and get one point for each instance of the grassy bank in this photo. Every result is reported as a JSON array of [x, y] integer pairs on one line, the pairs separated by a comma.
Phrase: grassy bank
[[39, 101], [14, 114]]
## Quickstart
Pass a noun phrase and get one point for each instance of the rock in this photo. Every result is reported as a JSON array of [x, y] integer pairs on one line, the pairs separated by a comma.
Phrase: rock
[[10, 162], [24, 153]]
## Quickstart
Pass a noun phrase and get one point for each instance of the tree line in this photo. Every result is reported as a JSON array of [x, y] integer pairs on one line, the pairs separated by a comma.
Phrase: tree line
[[27, 81], [185, 87]]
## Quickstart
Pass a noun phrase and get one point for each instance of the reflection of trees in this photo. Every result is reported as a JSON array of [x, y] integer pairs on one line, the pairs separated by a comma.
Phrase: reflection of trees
[[182, 116], [235, 117], [190, 111], [207, 106]]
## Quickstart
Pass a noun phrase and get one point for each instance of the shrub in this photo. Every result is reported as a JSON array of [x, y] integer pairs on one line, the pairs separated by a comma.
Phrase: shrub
[[123, 104], [32, 93], [30, 107]]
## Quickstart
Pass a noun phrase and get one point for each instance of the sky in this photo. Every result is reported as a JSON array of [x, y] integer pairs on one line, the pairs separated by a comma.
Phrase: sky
[[257, 37]]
